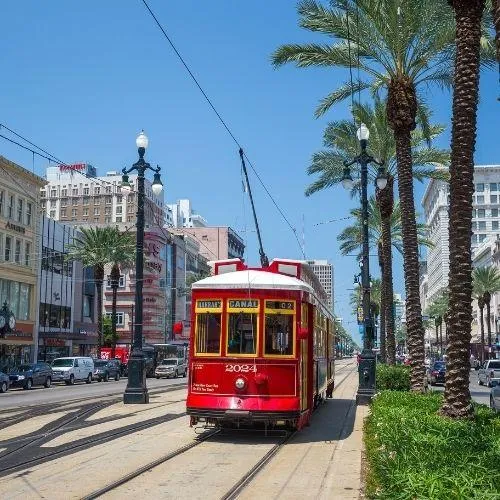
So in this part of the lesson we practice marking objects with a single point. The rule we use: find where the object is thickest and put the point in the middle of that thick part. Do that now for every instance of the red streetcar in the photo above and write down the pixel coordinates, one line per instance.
(262, 346)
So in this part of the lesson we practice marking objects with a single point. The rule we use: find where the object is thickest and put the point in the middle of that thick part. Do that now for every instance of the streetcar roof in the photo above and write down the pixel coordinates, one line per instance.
(251, 278)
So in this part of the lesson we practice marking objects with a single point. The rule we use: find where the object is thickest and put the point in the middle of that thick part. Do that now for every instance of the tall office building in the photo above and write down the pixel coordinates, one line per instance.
(324, 271)
(485, 222)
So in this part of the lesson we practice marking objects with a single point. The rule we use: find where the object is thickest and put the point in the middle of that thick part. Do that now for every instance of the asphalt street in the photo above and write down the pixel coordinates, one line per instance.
(58, 393)
(480, 393)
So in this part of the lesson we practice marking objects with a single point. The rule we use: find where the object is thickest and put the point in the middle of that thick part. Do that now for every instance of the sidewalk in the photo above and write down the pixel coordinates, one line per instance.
(324, 460)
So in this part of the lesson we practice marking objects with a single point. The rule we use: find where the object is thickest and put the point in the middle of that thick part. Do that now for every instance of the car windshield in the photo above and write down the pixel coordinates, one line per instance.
(100, 364)
(495, 364)
(169, 362)
(439, 366)
(62, 362)
(24, 368)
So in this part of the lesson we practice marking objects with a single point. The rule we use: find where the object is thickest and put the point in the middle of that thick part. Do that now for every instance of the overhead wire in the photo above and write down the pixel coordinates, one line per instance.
(223, 122)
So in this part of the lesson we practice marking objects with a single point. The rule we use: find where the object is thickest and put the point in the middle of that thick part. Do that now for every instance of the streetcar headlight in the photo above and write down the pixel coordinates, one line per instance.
(240, 383)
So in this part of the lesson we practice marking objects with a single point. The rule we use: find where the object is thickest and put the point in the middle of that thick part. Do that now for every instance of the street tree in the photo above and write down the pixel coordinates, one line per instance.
(438, 310)
(399, 47)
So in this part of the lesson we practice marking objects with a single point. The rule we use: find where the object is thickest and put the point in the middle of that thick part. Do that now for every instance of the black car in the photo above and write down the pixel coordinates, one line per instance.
(106, 369)
(436, 373)
(28, 375)
(4, 382)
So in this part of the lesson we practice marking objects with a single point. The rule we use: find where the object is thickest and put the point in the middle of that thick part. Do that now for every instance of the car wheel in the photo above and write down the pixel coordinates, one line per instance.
(71, 380)
(157, 378)
(185, 373)
(176, 374)
(48, 382)
(117, 376)
(106, 377)
(3, 387)
(29, 384)
(89, 379)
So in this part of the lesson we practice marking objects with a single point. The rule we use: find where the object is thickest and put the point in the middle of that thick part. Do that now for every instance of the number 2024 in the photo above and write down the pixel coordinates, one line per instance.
(241, 368)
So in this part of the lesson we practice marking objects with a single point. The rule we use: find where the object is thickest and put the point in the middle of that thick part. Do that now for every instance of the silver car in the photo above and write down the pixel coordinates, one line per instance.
(171, 367)
(495, 396)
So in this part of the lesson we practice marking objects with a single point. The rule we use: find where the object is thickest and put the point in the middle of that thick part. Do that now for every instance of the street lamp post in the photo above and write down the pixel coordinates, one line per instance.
(367, 362)
(136, 391)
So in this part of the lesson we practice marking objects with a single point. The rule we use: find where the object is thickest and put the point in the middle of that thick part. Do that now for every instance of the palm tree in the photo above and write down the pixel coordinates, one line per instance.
(486, 281)
(350, 241)
(397, 47)
(495, 11)
(438, 310)
(468, 18)
(341, 143)
(122, 253)
(93, 249)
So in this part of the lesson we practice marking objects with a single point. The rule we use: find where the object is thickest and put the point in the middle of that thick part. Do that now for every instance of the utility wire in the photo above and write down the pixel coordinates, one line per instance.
(224, 124)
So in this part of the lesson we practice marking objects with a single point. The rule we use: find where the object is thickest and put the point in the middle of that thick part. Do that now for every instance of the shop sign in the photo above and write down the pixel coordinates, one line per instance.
(15, 227)
(18, 334)
(54, 342)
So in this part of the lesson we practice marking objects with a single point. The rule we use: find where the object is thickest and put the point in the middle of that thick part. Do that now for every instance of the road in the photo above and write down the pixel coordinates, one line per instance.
(15, 398)
(480, 394)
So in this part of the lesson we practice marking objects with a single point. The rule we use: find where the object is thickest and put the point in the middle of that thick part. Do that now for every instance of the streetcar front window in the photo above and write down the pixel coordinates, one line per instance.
(242, 333)
(208, 333)
(278, 334)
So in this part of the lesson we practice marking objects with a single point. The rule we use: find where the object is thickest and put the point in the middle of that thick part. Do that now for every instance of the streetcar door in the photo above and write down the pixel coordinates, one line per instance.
(303, 374)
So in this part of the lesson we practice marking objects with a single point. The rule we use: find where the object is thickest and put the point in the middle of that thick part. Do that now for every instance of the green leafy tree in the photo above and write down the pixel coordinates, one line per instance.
(399, 48)
(351, 239)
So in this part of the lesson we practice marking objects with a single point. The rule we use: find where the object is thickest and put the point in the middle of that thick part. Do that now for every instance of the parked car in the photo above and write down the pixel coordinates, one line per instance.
(104, 370)
(436, 373)
(4, 382)
(495, 396)
(31, 374)
(171, 367)
(71, 369)
(489, 372)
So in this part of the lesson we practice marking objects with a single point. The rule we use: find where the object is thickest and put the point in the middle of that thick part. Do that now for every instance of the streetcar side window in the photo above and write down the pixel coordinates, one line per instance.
(208, 333)
(278, 334)
(242, 333)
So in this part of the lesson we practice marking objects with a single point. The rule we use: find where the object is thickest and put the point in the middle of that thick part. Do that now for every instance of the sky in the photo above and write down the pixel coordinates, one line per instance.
(81, 79)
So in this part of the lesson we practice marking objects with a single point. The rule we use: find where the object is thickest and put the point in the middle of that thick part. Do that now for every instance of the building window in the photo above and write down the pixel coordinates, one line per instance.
(130, 209)
(8, 248)
(108, 189)
(119, 199)
(85, 211)
(75, 191)
(19, 210)
(107, 219)
(1, 202)
(27, 251)
(52, 214)
(43, 193)
(86, 201)
(107, 210)
(86, 191)
(494, 225)
(97, 200)
(118, 210)
(64, 202)
(481, 213)
(74, 202)
(96, 219)
(481, 225)
(118, 219)
(53, 204)
(130, 198)
(63, 212)
(129, 218)
(480, 187)
(17, 254)
(481, 237)
(97, 190)
(479, 199)
(53, 193)
(73, 212)
(96, 211)
(29, 213)
(10, 208)
(493, 198)
(64, 192)
(17, 295)
(121, 281)
(493, 186)
(494, 212)
(120, 318)
(108, 200)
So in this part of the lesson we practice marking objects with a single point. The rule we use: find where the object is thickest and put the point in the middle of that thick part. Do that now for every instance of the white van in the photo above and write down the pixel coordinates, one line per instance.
(72, 369)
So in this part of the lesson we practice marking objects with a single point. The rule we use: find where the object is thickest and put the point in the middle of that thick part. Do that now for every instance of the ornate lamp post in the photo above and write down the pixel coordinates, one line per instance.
(136, 391)
(366, 368)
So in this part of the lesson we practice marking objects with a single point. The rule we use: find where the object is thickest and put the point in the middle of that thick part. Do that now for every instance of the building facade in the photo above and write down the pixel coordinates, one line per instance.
(75, 195)
(324, 271)
(218, 243)
(67, 307)
(485, 224)
(181, 214)
(19, 259)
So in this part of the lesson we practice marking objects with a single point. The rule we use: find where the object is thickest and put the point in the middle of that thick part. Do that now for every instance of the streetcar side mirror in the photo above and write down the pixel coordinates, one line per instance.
(302, 333)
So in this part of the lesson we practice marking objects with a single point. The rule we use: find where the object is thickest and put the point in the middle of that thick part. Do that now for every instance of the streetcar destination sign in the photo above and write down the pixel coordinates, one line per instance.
(247, 304)
(209, 304)
(279, 304)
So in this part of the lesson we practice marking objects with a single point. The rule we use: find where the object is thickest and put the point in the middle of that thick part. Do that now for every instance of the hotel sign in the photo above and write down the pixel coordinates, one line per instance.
(15, 227)
(73, 167)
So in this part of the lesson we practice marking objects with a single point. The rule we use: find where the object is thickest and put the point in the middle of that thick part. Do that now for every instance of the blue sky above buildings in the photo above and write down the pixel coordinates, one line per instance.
(82, 78)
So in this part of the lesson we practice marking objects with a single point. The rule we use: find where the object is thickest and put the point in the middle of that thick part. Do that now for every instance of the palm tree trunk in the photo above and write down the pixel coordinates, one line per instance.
(468, 13)
(441, 338)
(436, 324)
(115, 278)
(488, 326)
(382, 305)
(481, 323)
(415, 329)
(98, 280)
